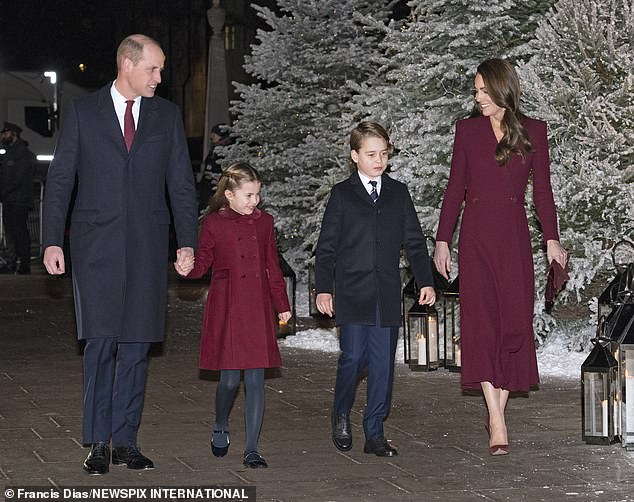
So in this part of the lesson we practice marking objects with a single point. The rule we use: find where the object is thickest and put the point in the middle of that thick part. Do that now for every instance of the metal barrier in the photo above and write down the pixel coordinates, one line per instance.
(34, 222)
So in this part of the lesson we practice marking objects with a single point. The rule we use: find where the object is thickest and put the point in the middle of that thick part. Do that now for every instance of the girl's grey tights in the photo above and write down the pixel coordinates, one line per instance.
(253, 408)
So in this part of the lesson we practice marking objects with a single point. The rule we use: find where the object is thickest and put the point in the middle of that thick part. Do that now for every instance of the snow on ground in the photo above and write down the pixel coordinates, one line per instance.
(560, 356)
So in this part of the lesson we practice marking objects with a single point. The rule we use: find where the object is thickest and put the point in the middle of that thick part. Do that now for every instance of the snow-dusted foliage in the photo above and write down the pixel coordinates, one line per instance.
(289, 124)
(581, 81)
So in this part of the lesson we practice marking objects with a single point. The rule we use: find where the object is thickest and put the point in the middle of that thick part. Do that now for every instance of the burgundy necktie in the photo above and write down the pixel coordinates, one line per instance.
(128, 124)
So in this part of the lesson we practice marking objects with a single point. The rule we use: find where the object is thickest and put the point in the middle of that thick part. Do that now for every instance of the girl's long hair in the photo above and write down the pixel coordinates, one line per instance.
(503, 85)
(231, 179)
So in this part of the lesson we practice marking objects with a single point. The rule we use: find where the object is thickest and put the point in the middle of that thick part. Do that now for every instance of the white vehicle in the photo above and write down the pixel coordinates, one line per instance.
(35, 101)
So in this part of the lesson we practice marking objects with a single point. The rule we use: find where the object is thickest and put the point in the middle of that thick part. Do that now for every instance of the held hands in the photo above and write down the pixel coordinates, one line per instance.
(324, 304)
(427, 296)
(184, 263)
(54, 260)
(442, 259)
(554, 251)
(284, 316)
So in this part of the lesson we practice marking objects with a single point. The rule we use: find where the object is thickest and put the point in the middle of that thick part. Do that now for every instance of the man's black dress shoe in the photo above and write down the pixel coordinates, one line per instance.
(380, 447)
(131, 456)
(98, 460)
(254, 460)
(341, 432)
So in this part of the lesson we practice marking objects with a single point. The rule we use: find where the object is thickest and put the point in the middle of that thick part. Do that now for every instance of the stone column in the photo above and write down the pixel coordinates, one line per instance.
(217, 103)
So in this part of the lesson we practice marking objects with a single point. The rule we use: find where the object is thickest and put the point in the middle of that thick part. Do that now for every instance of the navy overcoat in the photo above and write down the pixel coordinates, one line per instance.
(359, 250)
(120, 221)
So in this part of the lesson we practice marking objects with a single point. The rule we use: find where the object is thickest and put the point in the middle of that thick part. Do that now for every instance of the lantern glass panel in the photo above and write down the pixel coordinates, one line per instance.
(422, 330)
(596, 400)
(627, 397)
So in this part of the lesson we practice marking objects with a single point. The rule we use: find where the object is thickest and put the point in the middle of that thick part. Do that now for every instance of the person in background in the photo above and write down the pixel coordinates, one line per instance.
(126, 147)
(369, 218)
(210, 171)
(237, 242)
(17, 166)
(495, 153)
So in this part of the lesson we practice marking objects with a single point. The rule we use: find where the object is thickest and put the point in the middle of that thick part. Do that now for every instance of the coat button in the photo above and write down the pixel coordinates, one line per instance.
(244, 276)
(253, 237)
(513, 199)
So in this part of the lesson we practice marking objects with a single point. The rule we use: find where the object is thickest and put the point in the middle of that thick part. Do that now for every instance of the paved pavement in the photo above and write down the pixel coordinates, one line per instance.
(438, 430)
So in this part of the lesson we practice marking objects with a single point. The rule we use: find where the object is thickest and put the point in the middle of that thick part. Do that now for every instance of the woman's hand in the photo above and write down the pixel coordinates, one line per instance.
(554, 251)
(442, 259)
(284, 316)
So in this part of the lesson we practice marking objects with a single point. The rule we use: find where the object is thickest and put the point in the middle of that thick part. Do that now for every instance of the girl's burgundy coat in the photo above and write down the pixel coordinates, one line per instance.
(247, 288)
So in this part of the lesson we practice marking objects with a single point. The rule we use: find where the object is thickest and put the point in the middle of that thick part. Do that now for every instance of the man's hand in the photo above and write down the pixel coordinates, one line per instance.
(54, 260)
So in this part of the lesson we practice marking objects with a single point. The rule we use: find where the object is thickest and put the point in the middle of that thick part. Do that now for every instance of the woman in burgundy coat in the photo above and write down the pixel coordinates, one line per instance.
(237, 241)
(495, 152)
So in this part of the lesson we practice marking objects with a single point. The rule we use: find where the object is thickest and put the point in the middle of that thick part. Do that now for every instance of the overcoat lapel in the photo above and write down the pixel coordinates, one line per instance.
(109, 118)
(359, 189)
(147, 119)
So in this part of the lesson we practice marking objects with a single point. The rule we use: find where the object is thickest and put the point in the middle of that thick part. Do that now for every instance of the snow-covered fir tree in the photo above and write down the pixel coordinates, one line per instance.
(581, 81)
(428, 83)
(289, 124)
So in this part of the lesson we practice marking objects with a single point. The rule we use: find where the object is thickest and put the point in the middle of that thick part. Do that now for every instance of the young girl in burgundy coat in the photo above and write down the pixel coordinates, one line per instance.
(236, 240)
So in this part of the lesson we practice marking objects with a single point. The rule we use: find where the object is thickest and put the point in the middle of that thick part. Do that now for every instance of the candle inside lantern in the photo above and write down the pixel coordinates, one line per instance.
(458, 359)
(422, 350)
(604, 414)
(433, 338)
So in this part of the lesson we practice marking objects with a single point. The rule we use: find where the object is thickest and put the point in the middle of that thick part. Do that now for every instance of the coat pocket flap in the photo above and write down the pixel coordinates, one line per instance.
(220, 274)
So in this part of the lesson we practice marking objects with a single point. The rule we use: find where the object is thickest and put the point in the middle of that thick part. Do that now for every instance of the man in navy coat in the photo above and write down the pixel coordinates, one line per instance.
(369, 218)
(121, 146)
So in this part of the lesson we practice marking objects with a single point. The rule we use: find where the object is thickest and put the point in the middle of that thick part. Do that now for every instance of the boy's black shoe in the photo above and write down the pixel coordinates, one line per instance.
(131, 456)
(341, 432)
(380, 447)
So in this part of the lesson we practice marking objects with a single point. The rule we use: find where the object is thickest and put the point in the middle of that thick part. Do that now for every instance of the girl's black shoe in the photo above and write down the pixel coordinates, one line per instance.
(220, 451)
(255, 461)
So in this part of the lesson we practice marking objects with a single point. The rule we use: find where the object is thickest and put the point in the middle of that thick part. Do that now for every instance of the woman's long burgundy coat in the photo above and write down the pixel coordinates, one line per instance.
(247, 287)
(494, 252)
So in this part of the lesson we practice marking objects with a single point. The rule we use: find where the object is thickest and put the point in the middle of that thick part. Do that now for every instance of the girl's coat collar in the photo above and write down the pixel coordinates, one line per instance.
(230, 214)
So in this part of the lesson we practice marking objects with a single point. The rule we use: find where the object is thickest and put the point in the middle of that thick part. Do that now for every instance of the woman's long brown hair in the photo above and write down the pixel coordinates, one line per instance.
(503, 85)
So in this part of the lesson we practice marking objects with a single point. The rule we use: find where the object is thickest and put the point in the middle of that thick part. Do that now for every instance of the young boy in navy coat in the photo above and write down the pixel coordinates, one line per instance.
(369, 218)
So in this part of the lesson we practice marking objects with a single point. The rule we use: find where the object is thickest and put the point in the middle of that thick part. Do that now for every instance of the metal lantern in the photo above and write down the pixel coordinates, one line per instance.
(423, 338)
(620, 324)
(451, 326)
(619, 288)
(599, 405)
(409, 297)
(312, 291)
(284, 329)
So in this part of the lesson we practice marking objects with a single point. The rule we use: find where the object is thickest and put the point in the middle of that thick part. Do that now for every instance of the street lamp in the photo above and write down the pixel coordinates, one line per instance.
(599, 402)
(423, 352)
(284, 329)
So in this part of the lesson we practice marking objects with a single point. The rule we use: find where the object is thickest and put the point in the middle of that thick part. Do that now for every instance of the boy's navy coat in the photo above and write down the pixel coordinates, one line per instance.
(359, 247)
(120, 222)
